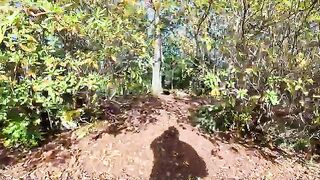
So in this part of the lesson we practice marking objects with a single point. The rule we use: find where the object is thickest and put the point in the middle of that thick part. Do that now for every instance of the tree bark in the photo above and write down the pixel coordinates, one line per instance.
(157, 59)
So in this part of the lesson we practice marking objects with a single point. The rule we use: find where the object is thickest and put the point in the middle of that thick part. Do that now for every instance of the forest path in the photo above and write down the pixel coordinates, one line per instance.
(163, 145)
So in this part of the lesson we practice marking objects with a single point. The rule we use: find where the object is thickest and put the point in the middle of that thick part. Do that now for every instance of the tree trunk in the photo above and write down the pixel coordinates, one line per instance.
(156, 88)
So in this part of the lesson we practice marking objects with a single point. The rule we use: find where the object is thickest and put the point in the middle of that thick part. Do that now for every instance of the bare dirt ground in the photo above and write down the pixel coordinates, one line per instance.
(158, 144)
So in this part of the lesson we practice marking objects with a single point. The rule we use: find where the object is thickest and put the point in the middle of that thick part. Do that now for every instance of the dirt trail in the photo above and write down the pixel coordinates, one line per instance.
(165, 147)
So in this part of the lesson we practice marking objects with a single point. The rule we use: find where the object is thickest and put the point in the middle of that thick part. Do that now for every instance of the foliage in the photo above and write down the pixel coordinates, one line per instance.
(271, 50)
(258, 59)
(58, 59)
(214, 118)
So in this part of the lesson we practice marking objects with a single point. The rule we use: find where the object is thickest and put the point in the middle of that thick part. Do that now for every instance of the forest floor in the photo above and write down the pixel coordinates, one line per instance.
(157, 142)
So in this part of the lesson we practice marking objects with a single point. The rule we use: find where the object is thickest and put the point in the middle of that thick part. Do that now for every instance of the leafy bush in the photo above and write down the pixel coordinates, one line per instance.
(57, 61)
(214, 118)
(271, 82)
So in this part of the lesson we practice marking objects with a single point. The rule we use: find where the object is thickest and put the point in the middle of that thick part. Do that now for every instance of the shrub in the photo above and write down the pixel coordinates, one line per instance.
(271, 82)
(57, 62)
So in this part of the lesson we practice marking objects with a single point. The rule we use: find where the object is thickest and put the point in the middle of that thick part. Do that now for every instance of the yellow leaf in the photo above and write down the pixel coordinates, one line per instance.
(316, 96)
(3, 2)
(113, 58)
(3, 78)
(70, 115)
(7, 143)
(110, 85)
(131, 2)
(310, 81)
(77, 113)
(157, 5)
(2, 31)
(37, 122)
(31, 38)
(46, 82)
(215, 92)
(83, 131)
(60, 77)
(31, 74)
(35, 88)
(67, 116)
(95, 65)
(209, 46)
(249, 70)
(256, 97)
(25, 48)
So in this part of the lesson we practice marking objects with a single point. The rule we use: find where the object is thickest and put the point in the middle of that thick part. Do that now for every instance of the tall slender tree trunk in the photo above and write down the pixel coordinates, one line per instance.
(157, 58)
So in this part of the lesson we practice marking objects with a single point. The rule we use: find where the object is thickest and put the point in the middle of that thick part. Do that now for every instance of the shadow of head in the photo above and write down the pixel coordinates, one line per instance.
(175, 159)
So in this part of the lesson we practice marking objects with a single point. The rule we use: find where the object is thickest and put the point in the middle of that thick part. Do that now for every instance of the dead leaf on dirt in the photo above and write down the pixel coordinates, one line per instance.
(82, 132)
(234, 149)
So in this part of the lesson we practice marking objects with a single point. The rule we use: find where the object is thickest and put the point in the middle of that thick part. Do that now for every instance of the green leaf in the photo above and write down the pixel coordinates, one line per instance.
(272, 97)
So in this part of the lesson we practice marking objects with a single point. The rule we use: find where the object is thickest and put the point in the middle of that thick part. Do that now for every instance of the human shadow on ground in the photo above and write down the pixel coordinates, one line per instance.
(174, 159)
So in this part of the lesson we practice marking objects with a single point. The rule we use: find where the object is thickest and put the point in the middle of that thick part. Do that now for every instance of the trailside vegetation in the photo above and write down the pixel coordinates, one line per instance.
(259, 60)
